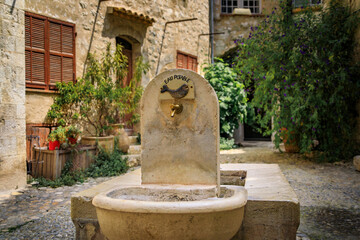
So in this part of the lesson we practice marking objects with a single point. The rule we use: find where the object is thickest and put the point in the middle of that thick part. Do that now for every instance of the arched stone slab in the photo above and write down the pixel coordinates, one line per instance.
(183, 149)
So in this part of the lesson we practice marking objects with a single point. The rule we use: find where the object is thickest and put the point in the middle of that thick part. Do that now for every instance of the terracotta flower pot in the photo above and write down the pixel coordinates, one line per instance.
(123, 140)
(105, 142)
(291, 144)
(53, 145)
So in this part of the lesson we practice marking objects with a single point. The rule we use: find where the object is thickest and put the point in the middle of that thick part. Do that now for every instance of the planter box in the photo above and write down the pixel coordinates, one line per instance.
(49, 164)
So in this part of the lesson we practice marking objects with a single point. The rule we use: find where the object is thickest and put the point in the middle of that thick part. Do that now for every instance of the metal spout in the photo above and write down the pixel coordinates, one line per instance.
(176, 108)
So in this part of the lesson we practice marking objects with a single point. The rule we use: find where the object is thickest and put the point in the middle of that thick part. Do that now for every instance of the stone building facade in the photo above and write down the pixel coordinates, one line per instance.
(12, 95)
(99, 22)
(38, 35)
(237, 25)
(87, 26)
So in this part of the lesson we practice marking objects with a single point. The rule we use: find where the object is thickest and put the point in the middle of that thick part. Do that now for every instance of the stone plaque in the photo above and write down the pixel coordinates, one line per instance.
(177, 86)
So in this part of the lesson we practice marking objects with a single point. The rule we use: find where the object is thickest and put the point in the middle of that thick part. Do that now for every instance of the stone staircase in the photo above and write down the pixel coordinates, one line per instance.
(134, 152)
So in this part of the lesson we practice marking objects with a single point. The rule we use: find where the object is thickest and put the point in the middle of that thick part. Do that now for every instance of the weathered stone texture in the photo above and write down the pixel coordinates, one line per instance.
(189, 141)
(146, 40)
(272, 210)
(236, 26)
(12, 96)
(356, 162)
(37, 105)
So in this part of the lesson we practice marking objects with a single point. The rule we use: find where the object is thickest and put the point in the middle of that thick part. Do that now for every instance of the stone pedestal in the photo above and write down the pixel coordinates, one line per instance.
(183, 148)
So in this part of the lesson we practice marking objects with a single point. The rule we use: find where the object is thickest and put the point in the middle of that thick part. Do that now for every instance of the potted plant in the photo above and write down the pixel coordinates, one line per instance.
(290, 140)
(99, 99)
(72, 133)
(95, 100)
(56, 137)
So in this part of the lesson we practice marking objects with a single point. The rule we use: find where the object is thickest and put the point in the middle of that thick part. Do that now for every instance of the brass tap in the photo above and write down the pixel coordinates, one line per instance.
(176, 108)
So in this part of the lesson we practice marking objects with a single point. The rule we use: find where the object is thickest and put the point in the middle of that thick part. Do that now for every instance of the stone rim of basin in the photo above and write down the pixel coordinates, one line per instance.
(212, 204)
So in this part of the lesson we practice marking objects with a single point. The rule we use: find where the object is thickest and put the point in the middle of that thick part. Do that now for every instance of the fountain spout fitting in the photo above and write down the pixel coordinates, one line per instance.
(176, 108)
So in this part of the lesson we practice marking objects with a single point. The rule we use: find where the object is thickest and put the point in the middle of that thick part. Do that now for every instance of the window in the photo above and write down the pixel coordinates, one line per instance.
(227, 6)
(304, 3)
(49, 52)
(186, 61)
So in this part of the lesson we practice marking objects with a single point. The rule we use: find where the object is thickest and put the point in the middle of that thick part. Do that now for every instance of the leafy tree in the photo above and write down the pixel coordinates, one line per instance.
(300, 69)
(231, 95)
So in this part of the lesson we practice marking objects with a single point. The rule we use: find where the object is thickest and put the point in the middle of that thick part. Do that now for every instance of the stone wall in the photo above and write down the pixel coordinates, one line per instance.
(146, 40)
(12, 95)
(236, 26)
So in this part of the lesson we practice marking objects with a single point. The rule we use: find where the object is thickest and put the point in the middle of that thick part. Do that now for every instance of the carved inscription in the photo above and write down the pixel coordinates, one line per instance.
(177, 86)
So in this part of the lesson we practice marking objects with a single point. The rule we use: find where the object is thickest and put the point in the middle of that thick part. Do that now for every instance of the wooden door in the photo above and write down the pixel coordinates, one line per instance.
(128, 77)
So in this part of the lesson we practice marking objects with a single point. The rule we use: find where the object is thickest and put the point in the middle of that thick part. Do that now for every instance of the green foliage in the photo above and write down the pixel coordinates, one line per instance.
(231, 95)
(72, 131)
(108, 164)
(300, 71)
(105, 165)
(57, 135)
(100, 97)
(226, 144)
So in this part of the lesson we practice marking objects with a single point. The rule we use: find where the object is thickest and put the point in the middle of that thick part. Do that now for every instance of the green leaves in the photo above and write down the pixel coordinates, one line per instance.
(300, 71)
(100, 97)
(231, 96)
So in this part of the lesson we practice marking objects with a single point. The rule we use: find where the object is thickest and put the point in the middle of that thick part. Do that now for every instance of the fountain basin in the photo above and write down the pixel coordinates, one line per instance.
(170, 212)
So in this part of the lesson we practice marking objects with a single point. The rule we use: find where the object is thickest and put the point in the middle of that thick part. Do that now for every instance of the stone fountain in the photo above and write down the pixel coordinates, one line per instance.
(180, 196)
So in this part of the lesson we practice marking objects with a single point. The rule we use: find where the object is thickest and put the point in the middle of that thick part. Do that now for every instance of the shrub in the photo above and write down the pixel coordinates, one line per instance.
(300, 70)
(226, 144)
(100, 97)
(231, 95)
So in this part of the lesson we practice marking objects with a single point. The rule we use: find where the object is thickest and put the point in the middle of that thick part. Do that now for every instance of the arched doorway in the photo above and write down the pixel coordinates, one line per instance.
(127, 51)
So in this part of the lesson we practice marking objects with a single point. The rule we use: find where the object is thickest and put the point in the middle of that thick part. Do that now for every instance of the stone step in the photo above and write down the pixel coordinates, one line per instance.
(133, 160)
(133, 140)
(134, 149)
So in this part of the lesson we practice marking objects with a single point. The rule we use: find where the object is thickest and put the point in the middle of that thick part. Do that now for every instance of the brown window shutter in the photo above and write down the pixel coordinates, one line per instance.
(61, 39)
(27, 31)
(55, 37)
(179, 61)
(38, 33)
(190, 63)
(35, 51)
(38, 67)
(67, 39)
(55, 69)
(186, 61)
(49, 51)
(67, 69)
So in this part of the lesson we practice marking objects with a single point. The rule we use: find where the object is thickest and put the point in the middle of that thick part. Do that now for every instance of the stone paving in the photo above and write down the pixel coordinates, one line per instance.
(329, 194)
(329, 197)
(42, 213)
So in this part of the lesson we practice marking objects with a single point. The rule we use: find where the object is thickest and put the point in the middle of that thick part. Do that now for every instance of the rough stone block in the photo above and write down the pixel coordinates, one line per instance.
(356, 162)
(272, 210)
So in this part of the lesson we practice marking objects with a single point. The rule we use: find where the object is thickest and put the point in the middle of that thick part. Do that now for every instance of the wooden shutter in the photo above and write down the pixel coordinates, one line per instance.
(193, 65)
(49, 51)
(179, 60)
(61, 52)
(186, 61)
(35, 75)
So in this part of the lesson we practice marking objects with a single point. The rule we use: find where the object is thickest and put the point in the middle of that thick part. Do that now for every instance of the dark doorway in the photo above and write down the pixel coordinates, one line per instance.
(127, 51)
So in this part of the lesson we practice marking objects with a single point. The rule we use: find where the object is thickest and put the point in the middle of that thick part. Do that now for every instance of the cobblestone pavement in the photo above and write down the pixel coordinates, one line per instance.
(42, 213)
(329, 197)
